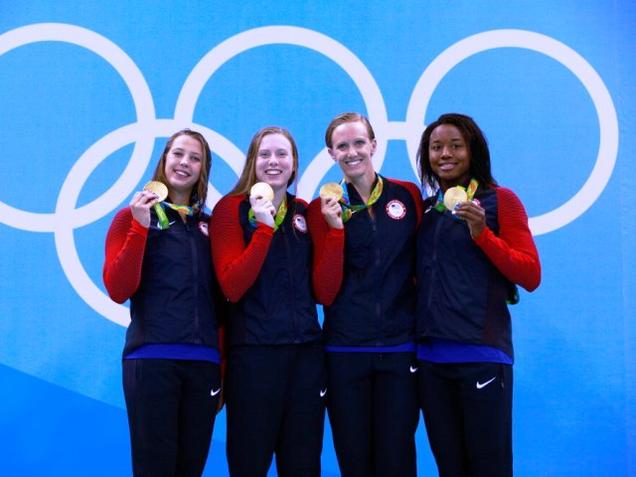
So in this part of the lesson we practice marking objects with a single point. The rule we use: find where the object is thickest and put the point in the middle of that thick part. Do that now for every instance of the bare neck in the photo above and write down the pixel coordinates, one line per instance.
(180, 198)
(279, 196)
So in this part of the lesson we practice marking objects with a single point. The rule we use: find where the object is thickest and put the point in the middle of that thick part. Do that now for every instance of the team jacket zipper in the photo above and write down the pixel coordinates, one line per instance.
(195, 281)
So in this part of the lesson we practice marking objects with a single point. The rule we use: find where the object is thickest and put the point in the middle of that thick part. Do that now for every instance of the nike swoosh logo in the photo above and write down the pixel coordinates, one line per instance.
(169, 224)
(323, 392)
(214, 393)
(412, 369)
(483, 385)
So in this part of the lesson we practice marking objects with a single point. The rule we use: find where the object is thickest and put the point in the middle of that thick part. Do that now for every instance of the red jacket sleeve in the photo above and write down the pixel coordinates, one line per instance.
(125, 246)
(328, 261)
(237, 266)
(513, 252)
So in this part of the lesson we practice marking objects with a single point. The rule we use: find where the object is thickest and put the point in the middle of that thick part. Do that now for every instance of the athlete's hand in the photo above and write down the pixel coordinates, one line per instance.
(264, 210)
(140, 206)
(332, 212)
(474, 215)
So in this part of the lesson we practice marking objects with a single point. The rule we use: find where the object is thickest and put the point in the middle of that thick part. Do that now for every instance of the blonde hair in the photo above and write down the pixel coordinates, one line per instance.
(347, 118)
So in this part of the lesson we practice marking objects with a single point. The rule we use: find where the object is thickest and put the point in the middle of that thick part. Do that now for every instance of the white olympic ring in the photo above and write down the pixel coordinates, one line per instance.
(142, 133)
(144, 109)
(608, 121)
(280, 35)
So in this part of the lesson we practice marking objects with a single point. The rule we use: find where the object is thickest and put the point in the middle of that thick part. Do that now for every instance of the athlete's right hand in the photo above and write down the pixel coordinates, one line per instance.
(140, 206)
(264, 210)
(332, 212)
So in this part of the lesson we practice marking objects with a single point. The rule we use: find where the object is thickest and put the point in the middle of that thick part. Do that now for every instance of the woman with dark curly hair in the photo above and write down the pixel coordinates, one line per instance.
(474, 246)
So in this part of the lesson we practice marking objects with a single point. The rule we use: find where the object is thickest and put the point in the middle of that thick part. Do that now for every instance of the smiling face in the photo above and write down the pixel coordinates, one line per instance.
(183, 166)
(274, 161)
(352, 149)
(449, 156)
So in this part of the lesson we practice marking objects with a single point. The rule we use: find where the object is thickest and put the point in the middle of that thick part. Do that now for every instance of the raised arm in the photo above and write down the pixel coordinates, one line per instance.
(237, 265)
(328, 261)
(125, 246)
(513, 252)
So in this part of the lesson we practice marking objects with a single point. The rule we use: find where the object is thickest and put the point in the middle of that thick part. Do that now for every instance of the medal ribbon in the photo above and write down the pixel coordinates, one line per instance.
(470, 193)
(349, 209)
(184, 210)
(164, 223)
(278, 218)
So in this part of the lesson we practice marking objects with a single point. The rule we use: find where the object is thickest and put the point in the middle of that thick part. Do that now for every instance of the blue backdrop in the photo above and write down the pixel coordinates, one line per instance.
(90, 90)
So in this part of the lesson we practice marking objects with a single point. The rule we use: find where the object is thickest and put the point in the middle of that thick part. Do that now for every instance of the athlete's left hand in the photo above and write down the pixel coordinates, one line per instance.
(474, 215)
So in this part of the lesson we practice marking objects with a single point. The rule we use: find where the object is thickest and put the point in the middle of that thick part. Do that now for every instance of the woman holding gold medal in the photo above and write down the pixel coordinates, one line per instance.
(474, 246)
(262, 255)
(158, 256)
(364, 267)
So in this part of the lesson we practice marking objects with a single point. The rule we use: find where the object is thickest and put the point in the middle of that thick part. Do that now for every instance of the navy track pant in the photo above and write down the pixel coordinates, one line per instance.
(171, 408)
(373, 412)
(275, 401)
(467, 409)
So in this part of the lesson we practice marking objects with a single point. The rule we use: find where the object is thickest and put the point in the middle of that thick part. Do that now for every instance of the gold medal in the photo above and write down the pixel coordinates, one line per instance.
(262, 189)
(454, 196)
(158, 188)
(331, 189)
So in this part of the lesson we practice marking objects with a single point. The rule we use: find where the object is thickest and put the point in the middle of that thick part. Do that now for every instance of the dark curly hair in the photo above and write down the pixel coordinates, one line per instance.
(477, 148)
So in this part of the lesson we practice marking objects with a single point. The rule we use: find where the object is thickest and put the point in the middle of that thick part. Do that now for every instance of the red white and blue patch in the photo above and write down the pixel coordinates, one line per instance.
(396, 210)
(300, 223)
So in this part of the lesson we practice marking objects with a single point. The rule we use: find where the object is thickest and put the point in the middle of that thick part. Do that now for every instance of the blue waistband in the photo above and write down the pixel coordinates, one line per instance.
(447, 351)
(190, 352)
(401, 348)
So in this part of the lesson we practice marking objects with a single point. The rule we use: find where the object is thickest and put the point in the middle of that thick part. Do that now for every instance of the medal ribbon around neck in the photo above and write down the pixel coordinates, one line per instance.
(470, 193)
(349, 209)
(278, 218)
(184, 210)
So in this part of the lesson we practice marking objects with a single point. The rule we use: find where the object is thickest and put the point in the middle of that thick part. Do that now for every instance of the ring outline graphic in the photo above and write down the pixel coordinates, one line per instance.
(144, 109)
(608, 120)
(303, 37)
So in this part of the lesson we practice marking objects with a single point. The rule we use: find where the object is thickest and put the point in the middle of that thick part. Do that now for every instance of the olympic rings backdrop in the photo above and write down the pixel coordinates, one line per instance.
(90, 90)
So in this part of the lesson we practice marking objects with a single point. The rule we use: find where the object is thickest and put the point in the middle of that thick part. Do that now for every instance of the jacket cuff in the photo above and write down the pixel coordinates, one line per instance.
(139, 229)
